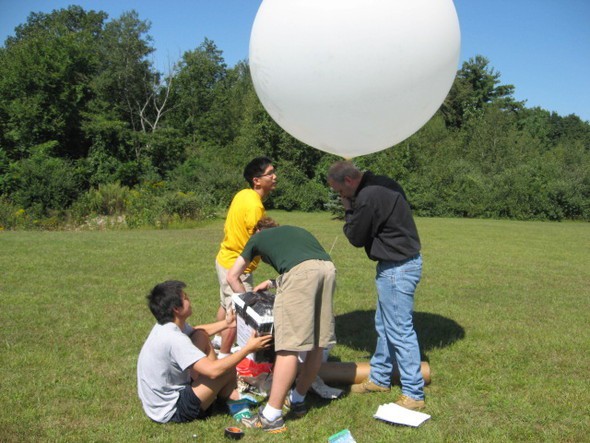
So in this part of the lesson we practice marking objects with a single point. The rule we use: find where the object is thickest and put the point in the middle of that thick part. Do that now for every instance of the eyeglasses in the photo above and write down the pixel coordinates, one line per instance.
(268, 174)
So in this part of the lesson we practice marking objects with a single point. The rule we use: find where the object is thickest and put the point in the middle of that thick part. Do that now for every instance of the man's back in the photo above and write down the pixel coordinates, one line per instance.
(284, 247)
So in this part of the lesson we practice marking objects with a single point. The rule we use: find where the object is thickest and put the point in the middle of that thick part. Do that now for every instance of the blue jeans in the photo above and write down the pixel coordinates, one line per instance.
(397, 342)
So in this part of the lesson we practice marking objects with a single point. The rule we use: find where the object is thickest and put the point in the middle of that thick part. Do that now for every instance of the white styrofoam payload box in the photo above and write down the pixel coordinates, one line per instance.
(254, 312)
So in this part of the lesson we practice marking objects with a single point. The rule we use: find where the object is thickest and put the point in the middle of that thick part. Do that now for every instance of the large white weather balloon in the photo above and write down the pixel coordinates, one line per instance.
(353, 77)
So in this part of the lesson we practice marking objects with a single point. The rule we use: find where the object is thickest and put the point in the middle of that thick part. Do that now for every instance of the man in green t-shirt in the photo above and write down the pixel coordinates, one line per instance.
(303, 317)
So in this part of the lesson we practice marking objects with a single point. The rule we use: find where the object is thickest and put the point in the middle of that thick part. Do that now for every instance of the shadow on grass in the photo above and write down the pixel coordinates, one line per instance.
(356, 330)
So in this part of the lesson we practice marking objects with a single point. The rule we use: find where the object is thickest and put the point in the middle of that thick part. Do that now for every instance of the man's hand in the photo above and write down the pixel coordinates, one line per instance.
(257, 343)
(346, 202)
(267, 284)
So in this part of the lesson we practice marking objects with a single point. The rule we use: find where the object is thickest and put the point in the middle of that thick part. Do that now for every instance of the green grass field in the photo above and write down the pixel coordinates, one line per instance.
(502, 314)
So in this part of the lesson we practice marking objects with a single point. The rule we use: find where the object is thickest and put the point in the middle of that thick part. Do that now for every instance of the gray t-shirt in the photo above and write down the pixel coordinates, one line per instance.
(163, 369)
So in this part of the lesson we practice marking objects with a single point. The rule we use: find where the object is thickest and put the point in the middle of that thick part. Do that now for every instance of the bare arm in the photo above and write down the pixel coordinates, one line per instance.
(233, 275)
(216, 368)
(213, 328)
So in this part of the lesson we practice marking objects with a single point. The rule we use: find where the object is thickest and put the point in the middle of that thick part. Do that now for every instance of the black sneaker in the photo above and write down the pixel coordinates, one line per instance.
(258, 421)
(297, 409)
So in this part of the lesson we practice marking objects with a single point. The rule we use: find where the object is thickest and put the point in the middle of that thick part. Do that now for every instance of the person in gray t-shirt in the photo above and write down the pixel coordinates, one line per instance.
(178, 373)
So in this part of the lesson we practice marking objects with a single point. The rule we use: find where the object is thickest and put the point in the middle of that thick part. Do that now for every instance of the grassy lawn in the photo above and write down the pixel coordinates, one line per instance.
(502, 314)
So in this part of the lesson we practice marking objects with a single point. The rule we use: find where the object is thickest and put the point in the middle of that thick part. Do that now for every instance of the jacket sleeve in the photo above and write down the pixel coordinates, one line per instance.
(359, 225)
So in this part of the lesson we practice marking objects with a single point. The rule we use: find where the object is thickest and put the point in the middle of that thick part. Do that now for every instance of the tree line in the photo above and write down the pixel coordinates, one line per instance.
(89, 128)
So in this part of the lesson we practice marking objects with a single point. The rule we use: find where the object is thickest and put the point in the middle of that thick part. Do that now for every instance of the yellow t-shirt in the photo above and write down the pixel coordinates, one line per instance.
(245, 210)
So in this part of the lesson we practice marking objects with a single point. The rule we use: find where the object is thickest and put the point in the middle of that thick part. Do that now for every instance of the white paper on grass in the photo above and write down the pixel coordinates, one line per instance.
(393, 413)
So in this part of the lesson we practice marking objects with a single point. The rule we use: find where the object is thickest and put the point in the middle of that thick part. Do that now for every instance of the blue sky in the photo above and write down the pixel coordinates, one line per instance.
(542, 47)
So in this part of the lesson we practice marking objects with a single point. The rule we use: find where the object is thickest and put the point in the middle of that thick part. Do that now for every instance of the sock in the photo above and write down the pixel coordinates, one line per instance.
(296, 397)
(222, 355)
(271, 413)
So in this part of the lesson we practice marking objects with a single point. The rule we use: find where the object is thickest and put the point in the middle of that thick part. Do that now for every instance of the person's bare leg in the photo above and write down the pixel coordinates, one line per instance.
(208, 389)
(284, 373)
(228, 338)
(220, 313)
(309, 370)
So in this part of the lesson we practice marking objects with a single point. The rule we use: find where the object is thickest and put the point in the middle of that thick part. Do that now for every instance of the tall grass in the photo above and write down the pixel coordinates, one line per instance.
(501, 313)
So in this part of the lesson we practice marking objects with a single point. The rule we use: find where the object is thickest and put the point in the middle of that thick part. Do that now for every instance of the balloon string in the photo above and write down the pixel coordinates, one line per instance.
(333, 244)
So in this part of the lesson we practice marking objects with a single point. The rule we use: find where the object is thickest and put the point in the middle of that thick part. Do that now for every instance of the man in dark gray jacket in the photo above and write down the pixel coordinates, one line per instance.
(379, 218)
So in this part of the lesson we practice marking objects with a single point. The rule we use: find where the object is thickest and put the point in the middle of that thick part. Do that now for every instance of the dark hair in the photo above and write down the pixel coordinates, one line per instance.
(256, 168)
(163, 298)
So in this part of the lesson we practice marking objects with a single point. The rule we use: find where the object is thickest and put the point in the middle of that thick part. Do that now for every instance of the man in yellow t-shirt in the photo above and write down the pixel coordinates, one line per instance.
(244, 212)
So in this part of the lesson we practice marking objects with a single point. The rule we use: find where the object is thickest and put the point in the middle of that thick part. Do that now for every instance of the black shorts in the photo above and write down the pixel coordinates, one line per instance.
(188, 407)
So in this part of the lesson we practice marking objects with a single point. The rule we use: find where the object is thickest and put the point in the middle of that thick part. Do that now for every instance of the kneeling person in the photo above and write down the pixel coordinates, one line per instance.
(178, 373)
(303, 317)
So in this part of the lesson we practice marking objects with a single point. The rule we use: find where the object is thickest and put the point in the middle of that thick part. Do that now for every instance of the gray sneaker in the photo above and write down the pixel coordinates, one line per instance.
(258, 421)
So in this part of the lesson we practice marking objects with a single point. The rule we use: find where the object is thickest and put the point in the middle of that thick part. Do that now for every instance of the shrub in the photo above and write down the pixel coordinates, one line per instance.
(213, 178)
(44, 183)
(101, 166)
(13, 217)
(521, 193)
(334, 205)
(109, 199)
(153, 205)
(297, 191)
(144, 208)
(189, 205)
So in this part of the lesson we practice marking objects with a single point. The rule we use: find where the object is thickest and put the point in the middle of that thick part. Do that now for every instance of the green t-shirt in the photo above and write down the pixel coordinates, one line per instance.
(284, 247)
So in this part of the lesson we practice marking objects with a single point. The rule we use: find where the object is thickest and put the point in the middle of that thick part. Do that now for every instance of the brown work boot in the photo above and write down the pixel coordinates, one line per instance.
(367, 386)
(410, 403)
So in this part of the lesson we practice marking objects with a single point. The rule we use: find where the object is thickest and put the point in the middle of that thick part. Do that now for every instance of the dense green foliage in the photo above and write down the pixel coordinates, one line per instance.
(82, 107)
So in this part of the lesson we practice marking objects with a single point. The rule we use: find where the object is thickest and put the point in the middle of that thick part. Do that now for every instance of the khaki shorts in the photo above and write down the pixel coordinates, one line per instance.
(303, 316)
(225, 291)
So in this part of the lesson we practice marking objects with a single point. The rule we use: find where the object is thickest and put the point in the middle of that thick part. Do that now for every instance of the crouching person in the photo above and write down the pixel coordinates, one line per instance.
(178, 374)
(303, 317)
